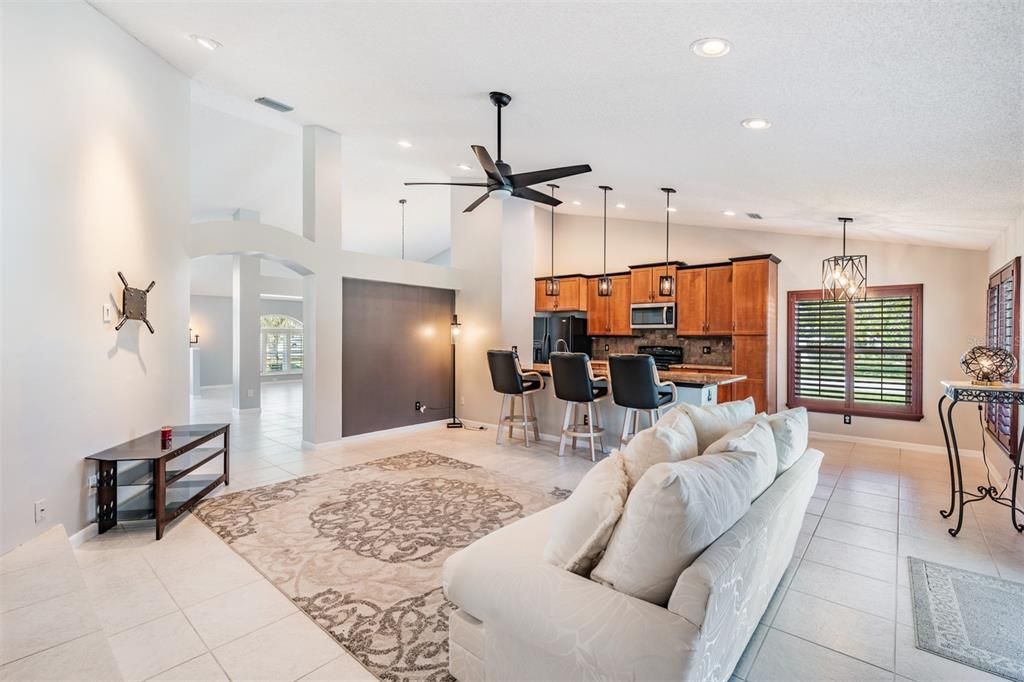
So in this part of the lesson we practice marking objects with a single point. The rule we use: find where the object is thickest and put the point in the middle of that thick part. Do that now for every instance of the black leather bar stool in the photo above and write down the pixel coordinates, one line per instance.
(508, 379)
(637, 387)
(574, 382)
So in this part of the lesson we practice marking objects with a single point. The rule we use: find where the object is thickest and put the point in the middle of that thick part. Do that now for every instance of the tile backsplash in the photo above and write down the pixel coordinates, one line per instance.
(693, 347)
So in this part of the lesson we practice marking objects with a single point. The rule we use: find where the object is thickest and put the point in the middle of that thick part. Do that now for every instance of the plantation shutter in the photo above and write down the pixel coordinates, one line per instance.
(1003, 308)
(857, 357)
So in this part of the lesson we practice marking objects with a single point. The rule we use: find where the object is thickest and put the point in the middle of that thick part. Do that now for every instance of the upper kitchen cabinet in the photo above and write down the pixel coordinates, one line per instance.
(572, 295)
(704, 301)
(644, 283)
(755, 284)
(609, 315)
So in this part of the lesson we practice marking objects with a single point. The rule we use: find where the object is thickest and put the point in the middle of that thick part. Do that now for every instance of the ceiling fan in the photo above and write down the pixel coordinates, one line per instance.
(501, 182)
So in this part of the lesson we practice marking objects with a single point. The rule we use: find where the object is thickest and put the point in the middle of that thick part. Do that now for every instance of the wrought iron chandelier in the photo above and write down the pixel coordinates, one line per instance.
(604, 282)
(844, 278)
(551, 285)
(667, 282)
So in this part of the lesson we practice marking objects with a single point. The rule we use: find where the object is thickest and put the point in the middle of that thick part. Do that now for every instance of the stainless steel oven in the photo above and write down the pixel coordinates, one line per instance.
(652, 315)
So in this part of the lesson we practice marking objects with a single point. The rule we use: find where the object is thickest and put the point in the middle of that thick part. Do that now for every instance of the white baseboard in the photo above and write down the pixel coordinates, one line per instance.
(307, 445)
(202, 386)
(246, 410)
(87, 533)
(903, 445)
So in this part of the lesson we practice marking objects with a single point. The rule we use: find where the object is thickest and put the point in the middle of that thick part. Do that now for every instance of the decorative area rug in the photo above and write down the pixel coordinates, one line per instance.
(971, 618)
(359, 549)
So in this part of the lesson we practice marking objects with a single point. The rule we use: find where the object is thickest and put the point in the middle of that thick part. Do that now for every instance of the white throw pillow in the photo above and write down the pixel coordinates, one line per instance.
(714, 421)
(754, 438)
(672, 515)
(790, 429)
(584, 522)
(674, 441)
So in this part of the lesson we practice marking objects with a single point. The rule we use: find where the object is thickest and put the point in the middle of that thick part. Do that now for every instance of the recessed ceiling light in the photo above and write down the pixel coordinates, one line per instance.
(620, 206)
(711, 47)
(464, 166)
(756, 123)
(671, 209)
(208, 43)
(577, 203)
(404, 144)
(729, 213)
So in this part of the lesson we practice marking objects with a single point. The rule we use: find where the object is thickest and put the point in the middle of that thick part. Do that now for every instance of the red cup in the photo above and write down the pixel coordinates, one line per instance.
(165, 436)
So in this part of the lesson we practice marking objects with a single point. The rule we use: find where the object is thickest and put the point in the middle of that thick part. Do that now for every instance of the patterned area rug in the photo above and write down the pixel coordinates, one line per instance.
(360, 548)
(969, 617)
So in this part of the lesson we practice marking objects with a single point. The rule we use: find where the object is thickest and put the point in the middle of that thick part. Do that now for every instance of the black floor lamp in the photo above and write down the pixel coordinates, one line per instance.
(456, 331)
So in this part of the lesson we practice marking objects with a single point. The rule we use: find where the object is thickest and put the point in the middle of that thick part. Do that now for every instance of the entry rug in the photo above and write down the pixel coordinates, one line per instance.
(359, 549)
(971, 618)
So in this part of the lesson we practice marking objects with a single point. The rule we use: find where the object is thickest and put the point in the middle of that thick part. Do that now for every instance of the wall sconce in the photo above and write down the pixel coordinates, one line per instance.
(193, 339)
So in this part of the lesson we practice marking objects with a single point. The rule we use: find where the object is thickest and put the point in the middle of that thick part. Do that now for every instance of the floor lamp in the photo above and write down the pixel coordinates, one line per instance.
(456, 331)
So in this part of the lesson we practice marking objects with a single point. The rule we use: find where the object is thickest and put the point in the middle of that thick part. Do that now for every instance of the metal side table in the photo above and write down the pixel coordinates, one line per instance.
(965, 392)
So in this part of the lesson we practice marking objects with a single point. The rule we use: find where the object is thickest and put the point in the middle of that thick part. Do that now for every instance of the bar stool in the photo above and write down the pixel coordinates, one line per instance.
(574, 382)
(508, 379)
(637, 387)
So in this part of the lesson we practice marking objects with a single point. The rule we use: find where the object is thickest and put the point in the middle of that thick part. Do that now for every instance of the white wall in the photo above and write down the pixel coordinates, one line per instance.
(954, 285)
(95, 177)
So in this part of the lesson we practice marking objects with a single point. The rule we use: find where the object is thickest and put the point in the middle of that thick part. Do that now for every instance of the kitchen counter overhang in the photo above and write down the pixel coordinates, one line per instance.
(688, 379)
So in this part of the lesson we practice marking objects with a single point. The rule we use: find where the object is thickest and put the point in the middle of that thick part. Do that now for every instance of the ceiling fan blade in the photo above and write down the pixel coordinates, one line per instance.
(534, 195)
(450, 184)
(476, 203)
(487, 163)
(537, 177)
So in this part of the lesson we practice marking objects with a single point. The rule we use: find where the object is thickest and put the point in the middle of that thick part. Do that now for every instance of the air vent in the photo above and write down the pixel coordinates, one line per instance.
(273, 104)
(754, 216)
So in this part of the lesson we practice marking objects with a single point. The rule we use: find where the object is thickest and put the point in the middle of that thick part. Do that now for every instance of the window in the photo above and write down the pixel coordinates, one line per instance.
(1002, 330)
(860, 357)
(281, 345)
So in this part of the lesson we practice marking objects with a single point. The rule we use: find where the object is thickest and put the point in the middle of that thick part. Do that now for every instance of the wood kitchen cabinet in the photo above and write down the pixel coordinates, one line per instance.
(609, 315)
(704, 301)
(572, 295)
(755, 284)
(644, 283)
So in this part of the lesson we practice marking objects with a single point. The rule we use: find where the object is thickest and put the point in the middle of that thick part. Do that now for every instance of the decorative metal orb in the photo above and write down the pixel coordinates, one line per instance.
(988, 366)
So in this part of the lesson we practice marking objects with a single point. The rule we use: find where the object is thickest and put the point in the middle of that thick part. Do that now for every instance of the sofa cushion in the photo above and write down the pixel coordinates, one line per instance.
(672, 439)
(711, 422)
(790, 429)
(585, 521)
(756, 439)
(674, 512)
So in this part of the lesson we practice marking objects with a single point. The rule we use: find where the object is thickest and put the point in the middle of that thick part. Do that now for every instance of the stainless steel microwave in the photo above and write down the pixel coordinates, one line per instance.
(652, 316)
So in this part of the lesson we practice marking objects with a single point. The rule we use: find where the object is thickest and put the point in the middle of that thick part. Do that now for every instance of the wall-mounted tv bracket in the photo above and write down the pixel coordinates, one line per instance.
(133, 303)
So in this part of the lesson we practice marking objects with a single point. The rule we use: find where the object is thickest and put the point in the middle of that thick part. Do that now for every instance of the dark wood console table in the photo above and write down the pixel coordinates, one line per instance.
(143, 479)
(965, 392)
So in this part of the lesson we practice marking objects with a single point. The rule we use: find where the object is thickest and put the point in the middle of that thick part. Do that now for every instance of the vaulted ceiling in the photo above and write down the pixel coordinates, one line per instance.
(908, 116)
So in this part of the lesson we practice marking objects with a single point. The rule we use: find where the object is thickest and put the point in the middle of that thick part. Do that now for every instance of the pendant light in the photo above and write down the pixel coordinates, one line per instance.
(844, 278)
(667, 283)
(604, 282)
(402, 202)
(551, 286)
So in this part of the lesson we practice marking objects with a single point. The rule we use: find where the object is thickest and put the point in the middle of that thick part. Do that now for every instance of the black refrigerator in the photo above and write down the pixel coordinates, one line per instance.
(549, 331)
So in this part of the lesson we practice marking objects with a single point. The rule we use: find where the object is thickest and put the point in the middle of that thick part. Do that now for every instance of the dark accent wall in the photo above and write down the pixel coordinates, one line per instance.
(396, 349)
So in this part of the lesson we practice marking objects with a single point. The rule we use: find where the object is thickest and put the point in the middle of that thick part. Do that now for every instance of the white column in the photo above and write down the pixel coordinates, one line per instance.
(321, 223)
(245, 333)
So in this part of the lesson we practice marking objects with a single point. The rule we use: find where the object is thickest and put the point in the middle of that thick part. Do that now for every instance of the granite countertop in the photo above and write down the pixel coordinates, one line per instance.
(706, 368)
(676, 376)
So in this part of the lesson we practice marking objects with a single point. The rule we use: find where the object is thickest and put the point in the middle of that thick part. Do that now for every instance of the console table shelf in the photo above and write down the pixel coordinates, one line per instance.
(143, 479)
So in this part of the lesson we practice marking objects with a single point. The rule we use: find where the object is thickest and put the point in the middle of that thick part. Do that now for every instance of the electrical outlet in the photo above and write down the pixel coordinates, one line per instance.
(108, 313)
(93, 481)
(515, 351)
(462, 400)
(847, 419)
(419, 406)
(706, 350)
(606, 348)
(251, 393)
(40, 510)
(586, 420)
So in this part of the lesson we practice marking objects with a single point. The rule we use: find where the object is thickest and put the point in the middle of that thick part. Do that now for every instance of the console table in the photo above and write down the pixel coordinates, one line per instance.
(965, 392)
(146, 479)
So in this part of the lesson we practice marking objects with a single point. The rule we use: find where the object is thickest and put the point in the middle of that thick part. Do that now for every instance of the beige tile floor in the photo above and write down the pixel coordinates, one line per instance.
(188, 608)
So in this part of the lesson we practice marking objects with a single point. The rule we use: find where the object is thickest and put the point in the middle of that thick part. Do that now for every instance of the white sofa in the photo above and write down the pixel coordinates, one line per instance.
(520, 618)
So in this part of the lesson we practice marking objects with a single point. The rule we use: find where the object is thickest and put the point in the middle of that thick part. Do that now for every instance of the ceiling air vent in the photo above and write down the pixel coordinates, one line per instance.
(273, 104)
(754, 216)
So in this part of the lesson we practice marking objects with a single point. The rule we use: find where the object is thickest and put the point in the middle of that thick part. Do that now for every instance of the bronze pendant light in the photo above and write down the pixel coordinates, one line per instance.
(844, 278)
(604, 282)
(402, 202)
(551, 285)
(666, 282)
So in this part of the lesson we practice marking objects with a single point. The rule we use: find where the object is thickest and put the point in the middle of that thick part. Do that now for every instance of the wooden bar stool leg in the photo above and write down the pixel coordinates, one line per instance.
(575, 421)
(536, 422)
(590, 422)
(501, 418)
(526, 422)
(624, 435)
(566, 421)
(511, 415)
